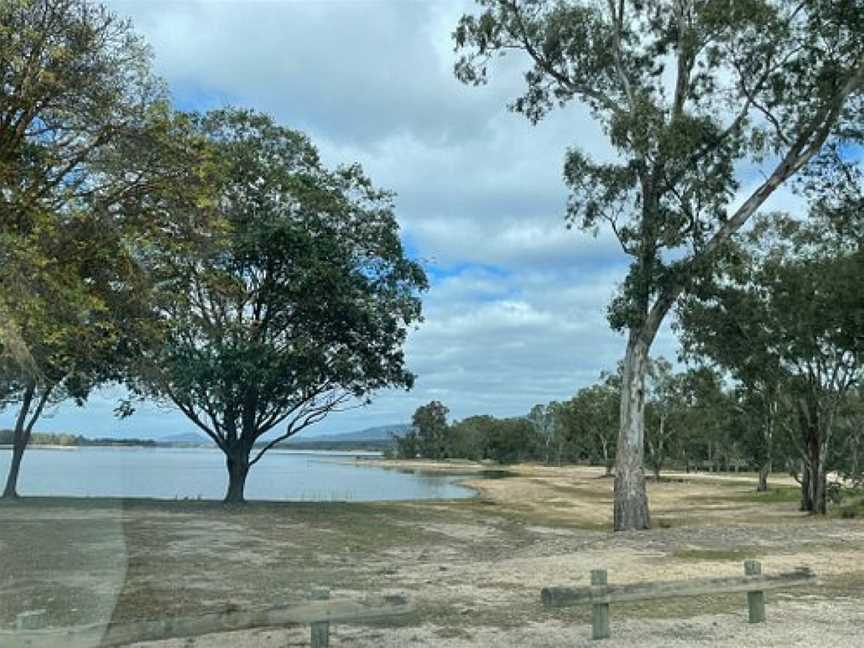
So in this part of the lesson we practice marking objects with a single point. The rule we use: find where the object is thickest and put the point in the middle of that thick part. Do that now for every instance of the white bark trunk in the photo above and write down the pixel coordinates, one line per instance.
(631, 499)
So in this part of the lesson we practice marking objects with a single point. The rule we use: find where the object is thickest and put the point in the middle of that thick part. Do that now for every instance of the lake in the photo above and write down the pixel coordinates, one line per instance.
(169, 473)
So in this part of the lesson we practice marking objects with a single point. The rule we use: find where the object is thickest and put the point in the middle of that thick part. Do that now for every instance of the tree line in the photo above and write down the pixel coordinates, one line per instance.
(7, 438)
(773, 350)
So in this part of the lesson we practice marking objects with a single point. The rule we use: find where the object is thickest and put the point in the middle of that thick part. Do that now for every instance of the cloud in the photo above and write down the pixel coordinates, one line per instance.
(516, 312)
(356, 70)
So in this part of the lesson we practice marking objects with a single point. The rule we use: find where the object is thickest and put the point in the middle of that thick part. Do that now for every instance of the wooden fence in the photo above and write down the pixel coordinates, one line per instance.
(319, 614)
(600, 594)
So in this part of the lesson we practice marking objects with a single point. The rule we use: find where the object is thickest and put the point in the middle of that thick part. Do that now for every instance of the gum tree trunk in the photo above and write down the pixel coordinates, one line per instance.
(607, 463)
(768, 439)
(631, 500)
(764, 471)
(818, 480)
(806, 493)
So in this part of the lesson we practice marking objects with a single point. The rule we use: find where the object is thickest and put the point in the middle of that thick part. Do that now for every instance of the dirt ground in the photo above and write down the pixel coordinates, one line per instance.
(473, 567)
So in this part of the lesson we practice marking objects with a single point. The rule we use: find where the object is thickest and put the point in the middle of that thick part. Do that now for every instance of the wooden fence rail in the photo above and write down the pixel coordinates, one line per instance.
(319, 614)
(600, 594)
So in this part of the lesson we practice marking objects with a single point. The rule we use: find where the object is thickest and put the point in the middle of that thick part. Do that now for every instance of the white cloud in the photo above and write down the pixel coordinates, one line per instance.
(476, 184)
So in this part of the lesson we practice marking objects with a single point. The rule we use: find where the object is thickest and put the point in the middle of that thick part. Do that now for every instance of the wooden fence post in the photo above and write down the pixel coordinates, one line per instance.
(599, 610)
(755, 600)
(34, 620)
(320, 629)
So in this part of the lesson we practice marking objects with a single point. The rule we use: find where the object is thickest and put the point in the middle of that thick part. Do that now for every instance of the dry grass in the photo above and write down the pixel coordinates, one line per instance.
(474, 566)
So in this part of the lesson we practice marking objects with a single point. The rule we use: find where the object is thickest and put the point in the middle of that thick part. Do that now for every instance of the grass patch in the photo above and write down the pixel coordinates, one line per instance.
(777, 495)
(733, 555)
(854, 508)
(736, 494)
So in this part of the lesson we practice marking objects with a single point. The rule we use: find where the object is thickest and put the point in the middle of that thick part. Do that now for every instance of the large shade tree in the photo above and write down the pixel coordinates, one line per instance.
(286, 298)
(690, 94)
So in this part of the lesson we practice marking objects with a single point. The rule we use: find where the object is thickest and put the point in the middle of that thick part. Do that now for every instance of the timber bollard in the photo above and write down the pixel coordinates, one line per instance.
(599, 605)
(755, 599)
(320, 630)
(34, 620)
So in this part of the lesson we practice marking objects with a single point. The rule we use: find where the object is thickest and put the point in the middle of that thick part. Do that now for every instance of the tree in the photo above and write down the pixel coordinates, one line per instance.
(287, 298)
(78, 100)
(466, 439)
(706, 422)
(82, 325)
(665, 403)
(850, 424)
(764, 82)
(545, 419)
(508, 440)
(78, 108)
(804, 306)
(430, 424)
(406, 445)
(592, 419)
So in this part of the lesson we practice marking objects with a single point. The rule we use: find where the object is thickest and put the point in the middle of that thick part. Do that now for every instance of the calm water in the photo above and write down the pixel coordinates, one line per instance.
(198, 472)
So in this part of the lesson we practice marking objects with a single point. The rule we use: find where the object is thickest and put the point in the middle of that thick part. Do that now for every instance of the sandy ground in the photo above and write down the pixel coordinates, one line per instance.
(474, 567)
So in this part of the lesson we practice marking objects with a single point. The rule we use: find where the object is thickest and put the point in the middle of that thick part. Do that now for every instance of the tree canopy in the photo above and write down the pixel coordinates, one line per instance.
(293, 300)
(791, 318)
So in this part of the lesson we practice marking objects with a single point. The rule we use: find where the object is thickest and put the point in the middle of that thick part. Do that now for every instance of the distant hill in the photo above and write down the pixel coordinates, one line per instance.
(379, 433)
(185, 439)
(373, 438)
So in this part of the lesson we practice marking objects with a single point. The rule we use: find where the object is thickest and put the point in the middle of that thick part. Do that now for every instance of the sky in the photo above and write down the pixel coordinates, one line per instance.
(516, 310)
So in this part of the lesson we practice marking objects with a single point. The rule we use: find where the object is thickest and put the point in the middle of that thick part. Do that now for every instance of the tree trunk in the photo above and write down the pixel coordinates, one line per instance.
(806, 493)
(20, 437)
(820, 492)
(237, 460)
(11, 490)
(819, 482)
(764, 471)
(631, 499)
(604, 444)
(768, 438)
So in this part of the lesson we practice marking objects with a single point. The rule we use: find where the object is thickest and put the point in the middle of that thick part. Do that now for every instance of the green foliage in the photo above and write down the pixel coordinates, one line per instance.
(284, 298)
(546, 423)
(7, 437)
(407, 446)
(752, 80)
(798, 338)
(78, 100)
(590, 419)
(509, 441)
(488, 438)
(429, 424)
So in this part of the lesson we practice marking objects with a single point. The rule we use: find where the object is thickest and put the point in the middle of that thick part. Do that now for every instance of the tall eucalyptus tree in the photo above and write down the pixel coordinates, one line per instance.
(691, 94)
